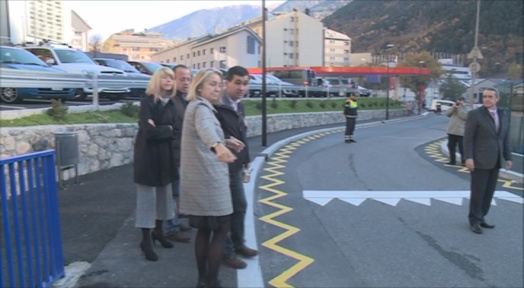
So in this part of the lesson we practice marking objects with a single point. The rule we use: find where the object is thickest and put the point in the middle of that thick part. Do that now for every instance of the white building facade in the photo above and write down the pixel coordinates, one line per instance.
(79, 30)
(237, 46)
(337, 49)
(36, 20)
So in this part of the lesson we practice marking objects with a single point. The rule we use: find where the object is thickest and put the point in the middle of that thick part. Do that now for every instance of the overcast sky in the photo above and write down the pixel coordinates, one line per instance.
(108, 17)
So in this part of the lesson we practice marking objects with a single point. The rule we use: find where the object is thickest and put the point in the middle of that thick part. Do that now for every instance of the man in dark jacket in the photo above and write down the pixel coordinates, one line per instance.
(231, 116)
(174, 230)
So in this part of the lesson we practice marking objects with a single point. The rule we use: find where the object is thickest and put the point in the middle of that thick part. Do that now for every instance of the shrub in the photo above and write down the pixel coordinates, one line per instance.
(58, 111)
(309, 104)
(258, 105)
(333, 104)
(129, 109)
(322, 105)
(274, 103)
(293, 104)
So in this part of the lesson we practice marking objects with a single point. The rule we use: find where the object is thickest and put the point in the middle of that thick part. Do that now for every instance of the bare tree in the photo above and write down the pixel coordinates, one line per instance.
(95, 43)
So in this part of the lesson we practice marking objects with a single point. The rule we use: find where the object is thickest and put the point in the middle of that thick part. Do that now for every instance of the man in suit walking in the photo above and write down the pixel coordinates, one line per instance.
(486, 147)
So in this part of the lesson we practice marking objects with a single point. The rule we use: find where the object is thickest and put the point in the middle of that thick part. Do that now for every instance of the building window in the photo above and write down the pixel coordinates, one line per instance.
(198, 66)
(203, 64)
(181, 57)
(187, 55)
(136, 48)
(291, 43)
(198, 53)
(223, 64)
(346, 43)
(174, 59)
(222, 50)
(212, 50)
(250, 45)
(291, 55)
(194, 53)
(292, 31)
(212, 64)
(332, 50)
(291, 19)
(346, 51)
(167, 61)
(204, 52)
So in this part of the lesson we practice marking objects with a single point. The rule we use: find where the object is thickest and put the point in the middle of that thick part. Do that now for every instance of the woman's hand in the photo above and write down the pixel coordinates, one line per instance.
(151, 122)
(224, 154)
(235, 144)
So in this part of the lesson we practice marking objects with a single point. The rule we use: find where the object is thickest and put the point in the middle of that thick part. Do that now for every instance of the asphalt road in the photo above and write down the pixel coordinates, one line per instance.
(362, 230)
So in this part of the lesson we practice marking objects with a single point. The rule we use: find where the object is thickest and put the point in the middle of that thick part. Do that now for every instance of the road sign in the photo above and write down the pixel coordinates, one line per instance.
(475, 53)
(474, 67)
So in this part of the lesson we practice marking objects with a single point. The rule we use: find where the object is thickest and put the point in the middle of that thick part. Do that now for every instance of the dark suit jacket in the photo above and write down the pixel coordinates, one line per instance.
(483, 143)
(233, 124)
(180, 107)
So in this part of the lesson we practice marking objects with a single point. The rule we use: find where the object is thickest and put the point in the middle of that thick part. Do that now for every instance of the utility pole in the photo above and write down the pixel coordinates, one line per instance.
(264, 112)
(475, 54)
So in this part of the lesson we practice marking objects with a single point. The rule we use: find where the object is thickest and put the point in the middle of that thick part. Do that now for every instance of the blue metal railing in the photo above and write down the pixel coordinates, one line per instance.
(31, 242)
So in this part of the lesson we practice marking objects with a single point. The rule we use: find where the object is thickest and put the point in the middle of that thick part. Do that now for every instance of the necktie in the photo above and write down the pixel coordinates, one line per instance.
(495, 119)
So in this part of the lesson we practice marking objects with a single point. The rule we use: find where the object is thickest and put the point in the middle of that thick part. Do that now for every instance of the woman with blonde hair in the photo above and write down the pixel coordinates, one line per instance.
(154, 162)
(204, 179)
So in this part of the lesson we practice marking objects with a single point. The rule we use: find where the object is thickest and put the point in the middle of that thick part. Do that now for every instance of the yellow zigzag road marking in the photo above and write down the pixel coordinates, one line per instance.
(433, 151)
(276, 164)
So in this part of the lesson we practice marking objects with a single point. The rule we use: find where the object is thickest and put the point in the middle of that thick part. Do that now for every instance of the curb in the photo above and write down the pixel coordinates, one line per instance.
(504, 174)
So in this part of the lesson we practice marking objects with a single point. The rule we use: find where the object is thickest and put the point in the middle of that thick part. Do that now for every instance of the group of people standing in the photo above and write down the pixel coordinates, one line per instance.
(190, 152)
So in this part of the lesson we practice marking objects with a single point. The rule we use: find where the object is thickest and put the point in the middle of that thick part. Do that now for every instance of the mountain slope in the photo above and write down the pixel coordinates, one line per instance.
(204, 21)
(318, 8)
(425, 25)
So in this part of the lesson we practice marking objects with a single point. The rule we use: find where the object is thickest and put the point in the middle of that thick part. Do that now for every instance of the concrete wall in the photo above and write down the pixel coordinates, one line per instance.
(103, 146)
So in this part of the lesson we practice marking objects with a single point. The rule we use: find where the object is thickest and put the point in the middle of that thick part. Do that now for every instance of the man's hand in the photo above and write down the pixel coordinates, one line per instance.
(470, 164)
(235, 144)
(508, 165)
(224, 154)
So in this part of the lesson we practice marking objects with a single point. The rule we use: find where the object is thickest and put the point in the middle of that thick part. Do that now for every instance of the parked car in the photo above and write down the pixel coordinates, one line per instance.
(75, 61)
(148, 68)
(274, 83)
(17, 58)
(131, 71)
(363, 92)
(168, 65)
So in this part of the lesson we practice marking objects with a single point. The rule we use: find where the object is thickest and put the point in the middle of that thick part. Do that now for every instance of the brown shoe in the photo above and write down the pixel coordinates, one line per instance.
(184, 228)
(234, 262)
(179, 237)
(247, 252)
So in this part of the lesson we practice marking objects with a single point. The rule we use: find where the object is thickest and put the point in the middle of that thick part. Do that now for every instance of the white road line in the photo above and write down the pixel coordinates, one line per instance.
(323, 197)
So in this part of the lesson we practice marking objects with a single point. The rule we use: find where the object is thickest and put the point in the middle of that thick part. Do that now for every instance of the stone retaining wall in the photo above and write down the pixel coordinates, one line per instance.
(103, 146)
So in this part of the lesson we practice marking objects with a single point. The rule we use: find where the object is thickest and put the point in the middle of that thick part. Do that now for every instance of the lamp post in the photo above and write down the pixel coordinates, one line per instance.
(264, 111)
(420, 96)
(389, 46)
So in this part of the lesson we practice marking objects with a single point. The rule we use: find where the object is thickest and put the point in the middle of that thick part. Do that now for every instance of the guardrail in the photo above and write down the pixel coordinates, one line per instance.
(31, 243)
(39, 79)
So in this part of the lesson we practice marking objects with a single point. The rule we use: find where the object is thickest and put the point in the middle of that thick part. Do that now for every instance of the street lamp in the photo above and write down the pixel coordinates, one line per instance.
(389, 46)
(420, 92)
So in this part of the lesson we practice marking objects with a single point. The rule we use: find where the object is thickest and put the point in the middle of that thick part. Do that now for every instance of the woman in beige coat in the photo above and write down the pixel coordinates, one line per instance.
(204, 178)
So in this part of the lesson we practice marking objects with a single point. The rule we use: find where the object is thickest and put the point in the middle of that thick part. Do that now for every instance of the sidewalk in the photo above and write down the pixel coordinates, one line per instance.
(100, 241)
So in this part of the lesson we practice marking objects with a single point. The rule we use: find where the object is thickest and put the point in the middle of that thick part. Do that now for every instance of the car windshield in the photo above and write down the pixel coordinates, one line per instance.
(73, 56)
(152, 66)
(121, 65)
(344, 81)
(19, 56)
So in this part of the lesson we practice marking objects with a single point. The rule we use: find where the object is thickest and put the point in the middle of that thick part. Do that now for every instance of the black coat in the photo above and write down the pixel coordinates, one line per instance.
(233, 124)
(180, 107)
(154, 156)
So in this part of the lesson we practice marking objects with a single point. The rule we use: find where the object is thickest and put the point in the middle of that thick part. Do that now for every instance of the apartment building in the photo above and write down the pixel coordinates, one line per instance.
(36, 20)
(337, 49)
(137, 46)
(236, 46)
(292, 39)
(79, 31)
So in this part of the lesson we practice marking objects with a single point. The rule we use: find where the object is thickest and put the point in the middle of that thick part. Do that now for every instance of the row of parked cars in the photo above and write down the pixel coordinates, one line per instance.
(63, 59)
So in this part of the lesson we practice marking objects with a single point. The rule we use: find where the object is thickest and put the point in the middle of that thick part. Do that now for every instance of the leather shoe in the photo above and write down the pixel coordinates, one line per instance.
(179, 237)
(247, 252)
(184, 228)
(476, 229)
(235, 262)
(486, 225)
(352, 141)
(451, 163)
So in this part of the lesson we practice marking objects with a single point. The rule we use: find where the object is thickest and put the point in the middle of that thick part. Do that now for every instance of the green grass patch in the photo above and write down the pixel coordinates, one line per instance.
(253, 107)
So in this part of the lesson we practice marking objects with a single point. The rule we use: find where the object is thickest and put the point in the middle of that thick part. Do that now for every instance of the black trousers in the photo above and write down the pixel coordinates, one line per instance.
(453, 140)
(350, 127)
(483, 184)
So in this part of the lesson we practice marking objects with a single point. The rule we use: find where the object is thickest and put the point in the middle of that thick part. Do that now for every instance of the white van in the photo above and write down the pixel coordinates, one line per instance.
(444, 105)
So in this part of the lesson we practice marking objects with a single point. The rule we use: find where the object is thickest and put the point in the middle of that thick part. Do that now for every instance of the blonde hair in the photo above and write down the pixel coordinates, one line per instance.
(199, 80)
(154, 89)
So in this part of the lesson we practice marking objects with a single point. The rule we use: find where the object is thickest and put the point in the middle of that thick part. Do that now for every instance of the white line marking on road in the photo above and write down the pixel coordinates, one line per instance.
(323, 197)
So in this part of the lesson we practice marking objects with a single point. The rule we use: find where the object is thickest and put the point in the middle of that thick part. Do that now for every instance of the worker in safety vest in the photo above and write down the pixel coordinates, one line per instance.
(350, 112)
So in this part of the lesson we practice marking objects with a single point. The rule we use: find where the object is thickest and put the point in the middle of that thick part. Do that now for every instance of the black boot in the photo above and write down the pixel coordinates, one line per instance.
(158, 235)
(146, 246)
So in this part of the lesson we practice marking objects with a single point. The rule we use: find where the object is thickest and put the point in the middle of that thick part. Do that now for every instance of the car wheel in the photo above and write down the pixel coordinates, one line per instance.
(80, 95)
(9, 95)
